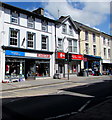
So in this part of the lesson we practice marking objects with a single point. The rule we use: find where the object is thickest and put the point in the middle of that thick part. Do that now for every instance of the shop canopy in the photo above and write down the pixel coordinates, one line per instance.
(92, 57)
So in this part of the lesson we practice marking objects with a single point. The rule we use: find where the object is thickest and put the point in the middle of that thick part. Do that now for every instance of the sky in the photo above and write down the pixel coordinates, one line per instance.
(93, 13)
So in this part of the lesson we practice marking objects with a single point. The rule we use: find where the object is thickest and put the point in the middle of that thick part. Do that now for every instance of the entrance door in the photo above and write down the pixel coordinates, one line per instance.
(30, 69)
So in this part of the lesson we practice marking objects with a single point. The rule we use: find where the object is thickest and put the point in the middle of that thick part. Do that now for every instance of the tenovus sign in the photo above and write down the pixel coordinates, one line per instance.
(77, 57)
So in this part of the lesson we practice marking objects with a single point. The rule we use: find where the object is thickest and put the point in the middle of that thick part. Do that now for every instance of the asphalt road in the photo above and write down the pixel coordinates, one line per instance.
(57, 105)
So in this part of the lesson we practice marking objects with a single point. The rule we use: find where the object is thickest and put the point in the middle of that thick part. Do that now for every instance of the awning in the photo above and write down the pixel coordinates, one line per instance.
(92, 57)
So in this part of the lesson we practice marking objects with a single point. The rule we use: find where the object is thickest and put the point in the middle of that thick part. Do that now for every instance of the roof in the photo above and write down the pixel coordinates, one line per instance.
(26, 12)
(63, 19)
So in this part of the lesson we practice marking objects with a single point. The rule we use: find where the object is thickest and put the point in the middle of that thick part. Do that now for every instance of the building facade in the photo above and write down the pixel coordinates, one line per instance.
(67, 43)
(27, 44)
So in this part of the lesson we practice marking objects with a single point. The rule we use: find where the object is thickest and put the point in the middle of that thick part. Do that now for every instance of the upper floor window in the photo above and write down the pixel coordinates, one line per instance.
(70, 30)
(14, 35)
(30, 22)
(94, 38)
(44, 25)
(60, 44)
(45, 44)
(87, 48)
(30, 40)
(86, 35)
(104, 51)
(94, 49)
(108, 42)
(104, 40)
(14, 17)
(72, 45)
(108, 52)
(64, 28)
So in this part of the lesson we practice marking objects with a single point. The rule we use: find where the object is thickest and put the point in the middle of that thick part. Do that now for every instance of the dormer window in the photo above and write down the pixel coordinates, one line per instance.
(44, 25)
(31, 22)
(14, 17)
(64, 28)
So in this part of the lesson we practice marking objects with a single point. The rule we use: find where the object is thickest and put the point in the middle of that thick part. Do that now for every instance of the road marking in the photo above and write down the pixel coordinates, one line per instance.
(73, 93)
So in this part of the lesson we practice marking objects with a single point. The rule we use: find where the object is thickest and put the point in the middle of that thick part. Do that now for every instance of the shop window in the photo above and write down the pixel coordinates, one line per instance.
(14, 69)
(14, 35)
(30, 40)
(30, 22)
(45, 44)
(44, 25)
(14, 17)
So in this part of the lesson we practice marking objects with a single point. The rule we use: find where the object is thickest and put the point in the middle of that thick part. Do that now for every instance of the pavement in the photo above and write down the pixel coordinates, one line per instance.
(102, 111)
(50, 81)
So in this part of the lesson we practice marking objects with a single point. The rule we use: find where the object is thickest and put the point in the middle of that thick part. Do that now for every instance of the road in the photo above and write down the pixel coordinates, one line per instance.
(57, 105)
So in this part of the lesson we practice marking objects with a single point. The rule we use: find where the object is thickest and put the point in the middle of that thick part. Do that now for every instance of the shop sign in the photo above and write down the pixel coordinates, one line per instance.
(43, 55)
(14, 53)
(77, 57)
(61, 55)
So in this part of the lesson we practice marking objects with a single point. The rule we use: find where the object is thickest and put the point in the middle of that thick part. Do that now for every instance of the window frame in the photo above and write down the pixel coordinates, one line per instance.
(29, 40)
(45, 43)
(72, 45)
(64, 28)
(86, 36)
(94, 49)
(87, 48)
(94, 38)
(13, 17)
(32, 22)
(60, 44)
(44, 24)
(15, 38)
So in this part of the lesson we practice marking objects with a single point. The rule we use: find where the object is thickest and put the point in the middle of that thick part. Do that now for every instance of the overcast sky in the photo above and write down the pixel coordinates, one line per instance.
(94, 13)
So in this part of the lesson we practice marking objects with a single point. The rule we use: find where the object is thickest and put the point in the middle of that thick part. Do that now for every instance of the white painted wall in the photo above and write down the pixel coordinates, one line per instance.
(5, 24)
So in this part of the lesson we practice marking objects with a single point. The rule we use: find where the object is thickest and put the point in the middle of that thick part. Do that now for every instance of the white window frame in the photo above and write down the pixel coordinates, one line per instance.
(64, 28)
(30, 40)
(44, 42)
(14, 17)
(70, 30)
(108, 52)
(44, 25)
(104, 41)
(30, 22)
(60, 44)
(16, 38)
(72, 47)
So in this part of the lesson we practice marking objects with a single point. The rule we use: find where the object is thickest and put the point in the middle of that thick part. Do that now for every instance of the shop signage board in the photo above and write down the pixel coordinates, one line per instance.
(43, 55)
(77, 57)
(14, 53)
(61, 55)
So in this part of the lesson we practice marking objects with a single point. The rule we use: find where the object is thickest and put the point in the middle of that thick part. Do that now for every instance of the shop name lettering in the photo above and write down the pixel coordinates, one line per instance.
(43, 55)
(76, 57)
(15, 53)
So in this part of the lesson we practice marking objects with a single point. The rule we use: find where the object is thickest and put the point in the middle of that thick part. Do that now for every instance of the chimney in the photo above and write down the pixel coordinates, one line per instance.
(39, 11)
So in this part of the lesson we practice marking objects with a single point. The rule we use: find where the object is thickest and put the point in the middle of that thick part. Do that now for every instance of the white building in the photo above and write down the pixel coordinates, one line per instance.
(67, 40)
(27, 41)
(106, 51)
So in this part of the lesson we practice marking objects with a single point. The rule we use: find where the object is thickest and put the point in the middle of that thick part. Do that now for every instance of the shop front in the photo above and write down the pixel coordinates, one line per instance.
(21, 66)
(92, 64)
(62, 64)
